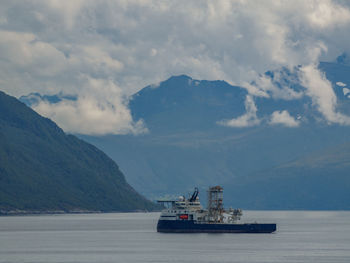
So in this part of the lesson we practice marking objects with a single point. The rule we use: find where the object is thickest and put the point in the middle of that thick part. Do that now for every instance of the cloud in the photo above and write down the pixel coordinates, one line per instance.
(47, 46)
(248, 119)
(326, 14)
(323, 97)
(93, 114)
(265, 86)
(346, 91)
(284, 118)
(141, 42)
(340, 84)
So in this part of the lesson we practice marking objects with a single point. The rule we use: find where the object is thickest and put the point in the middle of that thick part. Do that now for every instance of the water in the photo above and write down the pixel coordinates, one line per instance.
(132, 237)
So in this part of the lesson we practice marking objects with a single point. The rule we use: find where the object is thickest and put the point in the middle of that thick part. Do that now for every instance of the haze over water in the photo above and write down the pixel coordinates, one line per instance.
(132, 237)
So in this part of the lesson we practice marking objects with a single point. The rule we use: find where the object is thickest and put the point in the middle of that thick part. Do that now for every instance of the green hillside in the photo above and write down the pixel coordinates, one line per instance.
(43, 169)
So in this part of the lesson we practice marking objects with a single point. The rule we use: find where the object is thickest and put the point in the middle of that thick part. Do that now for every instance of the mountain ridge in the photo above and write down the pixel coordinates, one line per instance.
(43, 169)
(186, 147)
(320, 180)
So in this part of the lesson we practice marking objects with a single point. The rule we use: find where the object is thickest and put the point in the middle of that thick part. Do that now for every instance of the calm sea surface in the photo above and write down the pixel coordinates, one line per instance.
(132, 237)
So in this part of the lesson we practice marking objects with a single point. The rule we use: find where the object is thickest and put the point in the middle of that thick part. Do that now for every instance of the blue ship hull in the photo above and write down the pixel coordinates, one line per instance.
(189, 226)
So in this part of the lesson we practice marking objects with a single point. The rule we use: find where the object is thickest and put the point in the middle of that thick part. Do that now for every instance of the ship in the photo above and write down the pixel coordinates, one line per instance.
(186, 215)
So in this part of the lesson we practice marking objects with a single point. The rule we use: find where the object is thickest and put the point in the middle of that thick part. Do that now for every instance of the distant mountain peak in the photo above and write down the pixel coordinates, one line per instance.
(176, 81)
(179, 77)
(35, 98)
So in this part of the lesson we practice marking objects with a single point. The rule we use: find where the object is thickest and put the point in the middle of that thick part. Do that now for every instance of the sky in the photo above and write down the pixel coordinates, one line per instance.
(104, 51)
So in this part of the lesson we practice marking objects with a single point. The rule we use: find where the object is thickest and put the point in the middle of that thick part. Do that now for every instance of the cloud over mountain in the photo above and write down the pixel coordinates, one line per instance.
(246, 120)
(284, 118)
(99, 109)
(55, 46)
(322, 94)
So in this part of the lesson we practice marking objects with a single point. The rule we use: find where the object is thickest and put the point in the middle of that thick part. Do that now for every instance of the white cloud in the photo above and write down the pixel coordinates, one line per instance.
(320, 90)
(153, 52)
(263, 86)
(99, 110)
(67, 9)
(23, 51)
(340, 84)
(46, 46)
(326, 14)
(247, 120)
(284, 118)
(346, 91)
(142, 42)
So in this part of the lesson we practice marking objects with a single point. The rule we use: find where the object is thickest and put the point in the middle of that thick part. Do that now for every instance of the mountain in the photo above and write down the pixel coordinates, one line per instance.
(338, 74)
(319, 181)
(34, 98)
(43, 169)
(186, 146)
(182, 104)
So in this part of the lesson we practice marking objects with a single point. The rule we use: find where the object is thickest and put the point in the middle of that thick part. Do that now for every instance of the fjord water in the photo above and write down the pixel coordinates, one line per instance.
(302, 236)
